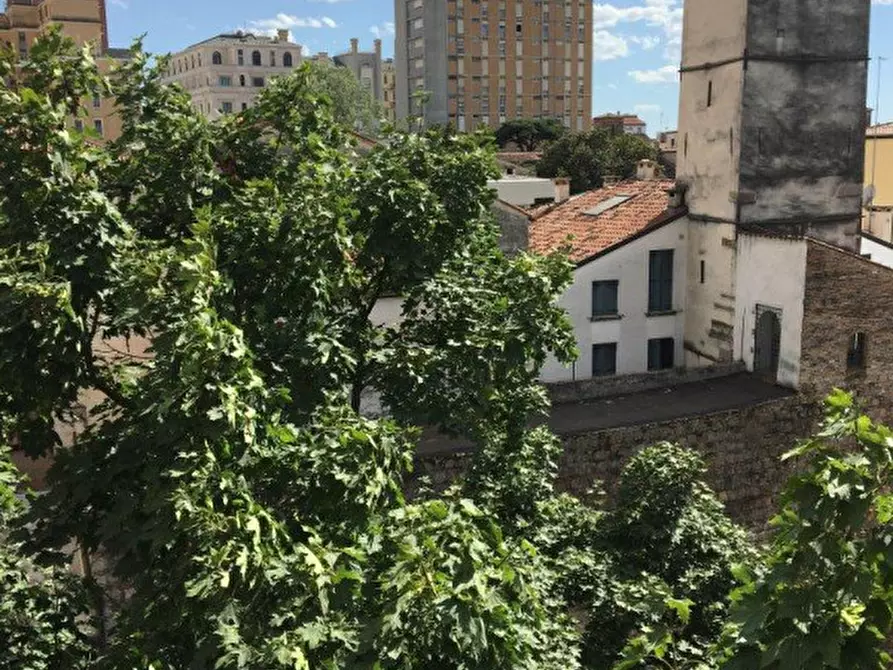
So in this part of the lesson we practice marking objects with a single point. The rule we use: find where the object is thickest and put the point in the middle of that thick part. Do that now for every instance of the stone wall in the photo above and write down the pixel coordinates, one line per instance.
(847, 294)
(741, 447)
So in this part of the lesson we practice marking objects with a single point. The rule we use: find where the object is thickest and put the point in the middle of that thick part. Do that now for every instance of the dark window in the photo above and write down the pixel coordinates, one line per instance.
(241, 56)
(257, 81)
(604, 298)
(660, 353)
(660, 281)
(703, 271)
(241, 80)
(709, 93)
(604, 359)
(856, 357)
(79, 125)
(97, 101)
(255, 58)
(286, 59)
(227, 107)
(97, 126)
(216, 58)
(685, 147)
(244, 106)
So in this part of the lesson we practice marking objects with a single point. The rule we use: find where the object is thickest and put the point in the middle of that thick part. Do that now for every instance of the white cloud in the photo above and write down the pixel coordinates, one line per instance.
(662, 16)
(289, 22)
(647, 109)
(647, 43)
(384, 30)
(607, 46)
(668, 74)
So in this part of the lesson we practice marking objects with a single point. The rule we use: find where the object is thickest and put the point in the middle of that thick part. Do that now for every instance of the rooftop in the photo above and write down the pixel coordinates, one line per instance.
(241, 37)
(599, 219)
(626, 119)
(880, 130)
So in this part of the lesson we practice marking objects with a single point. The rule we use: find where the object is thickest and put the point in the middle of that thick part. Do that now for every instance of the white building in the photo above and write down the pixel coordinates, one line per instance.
(225, 74)
(523, 191)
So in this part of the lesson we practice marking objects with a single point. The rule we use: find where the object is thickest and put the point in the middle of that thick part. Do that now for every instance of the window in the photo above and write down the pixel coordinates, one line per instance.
(241, 56)
(97, 101)
(660, 281)
(287, 60)
(604, 298)
(225, 80)
(703, 271)
(217, 58)
(255, 58)
(660, 353)
(227, 107)
(79, 125)
(244, 106)
(97, 126)
(604, 359)
(709, 93)
(241, 80)
(257, 82)
(856, 358)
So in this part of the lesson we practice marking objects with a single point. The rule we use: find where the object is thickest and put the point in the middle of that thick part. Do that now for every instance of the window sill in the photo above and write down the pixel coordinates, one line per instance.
(606, 317)
(670, 312)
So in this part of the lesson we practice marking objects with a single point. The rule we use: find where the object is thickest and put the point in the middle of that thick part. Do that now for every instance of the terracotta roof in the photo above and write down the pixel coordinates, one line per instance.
(592, 234)
(625, 119)
(882, 130)
(519, 156)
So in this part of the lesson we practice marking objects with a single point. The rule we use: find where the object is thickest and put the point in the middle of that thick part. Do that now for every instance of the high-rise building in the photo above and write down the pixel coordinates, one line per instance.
(225, 73)
(389, 89)
(477, 63)
(84, 21)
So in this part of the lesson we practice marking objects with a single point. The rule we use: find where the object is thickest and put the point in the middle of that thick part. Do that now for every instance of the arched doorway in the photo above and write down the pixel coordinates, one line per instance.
(767, 343)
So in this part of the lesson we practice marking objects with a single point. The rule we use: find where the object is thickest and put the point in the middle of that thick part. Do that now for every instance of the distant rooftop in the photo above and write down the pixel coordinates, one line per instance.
(241, 37)
(880, 130)
(625, 119)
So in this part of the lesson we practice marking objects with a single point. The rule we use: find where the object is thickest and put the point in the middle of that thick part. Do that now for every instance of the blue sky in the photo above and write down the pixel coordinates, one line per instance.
(636, 41)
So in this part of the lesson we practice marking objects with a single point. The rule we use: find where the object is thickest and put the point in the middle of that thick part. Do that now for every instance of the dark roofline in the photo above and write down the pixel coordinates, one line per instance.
(876, 240)
(667, 217)
(846, 252)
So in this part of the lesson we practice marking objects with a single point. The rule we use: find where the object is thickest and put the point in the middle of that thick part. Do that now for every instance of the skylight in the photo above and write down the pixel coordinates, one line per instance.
(605, 205)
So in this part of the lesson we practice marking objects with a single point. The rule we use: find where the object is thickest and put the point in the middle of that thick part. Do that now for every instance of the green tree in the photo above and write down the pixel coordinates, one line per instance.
(529, 134)
(351, 104)
(587, 158)
(255, 518)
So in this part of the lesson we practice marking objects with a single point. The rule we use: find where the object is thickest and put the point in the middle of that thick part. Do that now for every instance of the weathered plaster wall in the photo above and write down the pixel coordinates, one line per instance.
(846, 294)
(710, 305)
(771, 272)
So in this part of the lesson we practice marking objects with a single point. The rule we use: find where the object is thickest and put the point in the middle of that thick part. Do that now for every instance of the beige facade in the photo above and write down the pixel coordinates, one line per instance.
(877, 216)
(84, 21)
(225, 74)
(389, 89)
(482, 63)
(366, 67)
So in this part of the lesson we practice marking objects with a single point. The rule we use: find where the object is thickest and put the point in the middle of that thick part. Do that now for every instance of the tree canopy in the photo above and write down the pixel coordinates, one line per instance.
(587, 158)
(529, 134)
(351, 104)
(232, 506)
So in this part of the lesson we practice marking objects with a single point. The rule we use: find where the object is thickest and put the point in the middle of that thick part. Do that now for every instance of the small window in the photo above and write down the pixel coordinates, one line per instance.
(97, 101)
(660, 281)
(227, 107)
(703, 271)
(685, 147)
(97, 126)
(856, 357)
(661, 352)
(709, 93)
(255, 58)
(604, 359)
(287, 60)
(217, 58)
(241, 80)
(244, 106)
(241, 56)
(257, 82)
(225, 80)
(604, 298)
(79, 125)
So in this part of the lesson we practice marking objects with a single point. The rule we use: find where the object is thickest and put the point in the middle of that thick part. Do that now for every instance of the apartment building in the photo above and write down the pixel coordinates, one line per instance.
(476, 63)
(389, 89)
(84, 21)
(225, 73)
(366, 67)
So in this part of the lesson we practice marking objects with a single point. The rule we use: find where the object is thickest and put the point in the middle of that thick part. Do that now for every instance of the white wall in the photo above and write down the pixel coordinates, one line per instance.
(879, 253)
(629, 265)
(771, 272)
(522, 191)
(387, 312)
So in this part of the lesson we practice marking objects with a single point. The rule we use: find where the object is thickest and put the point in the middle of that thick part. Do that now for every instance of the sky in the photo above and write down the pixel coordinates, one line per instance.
(637, 42)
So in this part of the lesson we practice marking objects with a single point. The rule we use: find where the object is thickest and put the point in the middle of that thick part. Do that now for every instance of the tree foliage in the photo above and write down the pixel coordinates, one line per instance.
(351, 104)
(587, 158)
(529, 134)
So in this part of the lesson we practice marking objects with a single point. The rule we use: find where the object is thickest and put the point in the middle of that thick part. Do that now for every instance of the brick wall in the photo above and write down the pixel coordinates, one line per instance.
(742, 449)
(847, 294)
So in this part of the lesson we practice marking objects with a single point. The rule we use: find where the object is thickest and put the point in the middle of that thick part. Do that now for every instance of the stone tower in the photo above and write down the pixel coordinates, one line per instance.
(772, 113)
(771, 135)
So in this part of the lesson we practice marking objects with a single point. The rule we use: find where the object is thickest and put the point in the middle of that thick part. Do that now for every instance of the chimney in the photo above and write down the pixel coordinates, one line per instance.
(354, 45)
(646, 170)
(562, 189)
(282, 35)
(377, 49)
(610, 179)
(677, 195)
